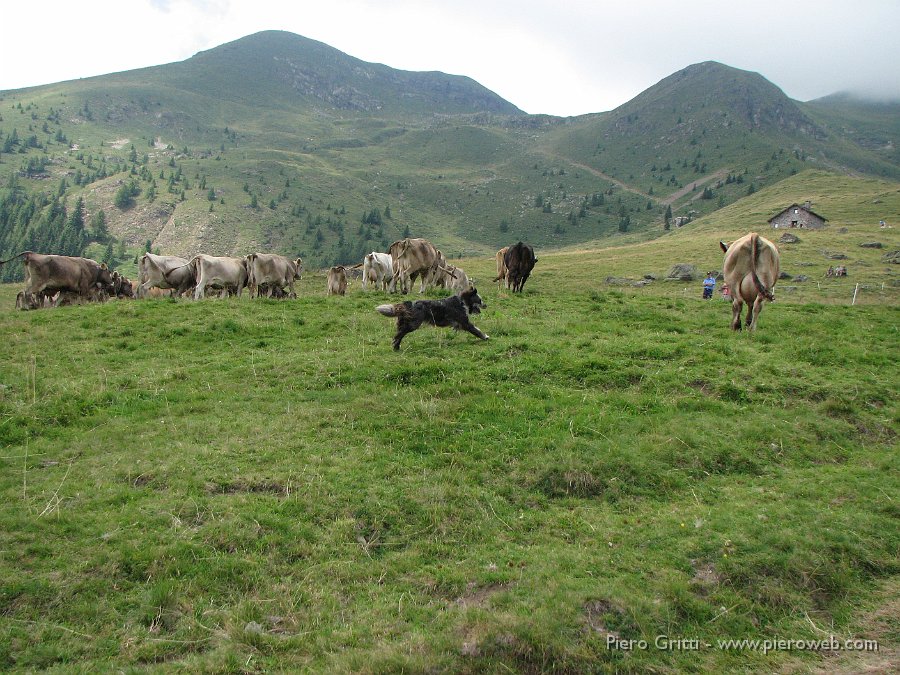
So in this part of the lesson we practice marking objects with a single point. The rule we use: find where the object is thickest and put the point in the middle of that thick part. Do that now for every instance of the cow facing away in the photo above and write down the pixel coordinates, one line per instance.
(269, 271)
(751, 269)
(229, 274)
(337, 281)
(412, 258)
(164, 272)
(502, 272)
(377, 270)
(519, 260)
(70, 277)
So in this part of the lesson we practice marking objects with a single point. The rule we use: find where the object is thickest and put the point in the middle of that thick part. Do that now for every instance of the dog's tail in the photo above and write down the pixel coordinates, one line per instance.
(387, 310)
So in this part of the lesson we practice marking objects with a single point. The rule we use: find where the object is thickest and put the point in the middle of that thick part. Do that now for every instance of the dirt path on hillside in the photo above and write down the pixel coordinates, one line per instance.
(672, 198)
(665, 201)
(605, 176)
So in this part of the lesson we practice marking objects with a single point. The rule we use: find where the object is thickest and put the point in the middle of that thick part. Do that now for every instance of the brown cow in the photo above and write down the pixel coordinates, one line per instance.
(45, 275)
(502, 272)
(337, 280)
(413, 258)
(751, 270)
(121, 287)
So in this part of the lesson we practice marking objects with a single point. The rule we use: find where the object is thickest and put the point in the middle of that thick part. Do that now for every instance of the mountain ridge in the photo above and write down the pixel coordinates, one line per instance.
(280, 142)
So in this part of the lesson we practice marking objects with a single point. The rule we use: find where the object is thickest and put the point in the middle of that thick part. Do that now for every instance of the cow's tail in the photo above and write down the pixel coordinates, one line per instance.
(180, 267)
(3, 262)
(388, 310)
(754, 258)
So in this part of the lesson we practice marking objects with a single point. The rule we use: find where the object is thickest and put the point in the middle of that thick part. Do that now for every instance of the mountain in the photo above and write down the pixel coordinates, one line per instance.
(279, 68)
(710, 123)
(280, 143)
(872, 125)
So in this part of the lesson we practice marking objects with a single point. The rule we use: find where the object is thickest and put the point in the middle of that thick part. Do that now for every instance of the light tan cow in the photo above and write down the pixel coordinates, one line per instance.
(411, 258)
(337, 281)
(166, 272)
(751, 269)
(274, 272)
(455, 279)
(502, 272)
(230, 274)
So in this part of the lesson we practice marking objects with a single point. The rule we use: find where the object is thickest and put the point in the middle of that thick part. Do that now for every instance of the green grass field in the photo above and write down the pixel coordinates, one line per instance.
(247, 486)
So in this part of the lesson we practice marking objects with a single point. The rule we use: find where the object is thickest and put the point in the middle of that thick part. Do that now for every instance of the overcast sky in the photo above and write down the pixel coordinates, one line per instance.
(561, 57)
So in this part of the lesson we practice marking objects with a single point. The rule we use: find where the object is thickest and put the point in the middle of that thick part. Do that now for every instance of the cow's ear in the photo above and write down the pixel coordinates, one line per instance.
(103, 266)
(724, 246)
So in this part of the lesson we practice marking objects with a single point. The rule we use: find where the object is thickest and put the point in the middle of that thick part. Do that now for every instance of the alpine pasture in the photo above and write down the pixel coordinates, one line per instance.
(252, 485)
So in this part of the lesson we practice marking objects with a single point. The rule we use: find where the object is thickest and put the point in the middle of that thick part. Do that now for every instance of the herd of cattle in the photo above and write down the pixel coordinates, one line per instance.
(751, 269)
(56, 280)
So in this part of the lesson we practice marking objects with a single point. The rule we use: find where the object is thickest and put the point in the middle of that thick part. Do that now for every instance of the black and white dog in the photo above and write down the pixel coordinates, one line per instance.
(450, 312)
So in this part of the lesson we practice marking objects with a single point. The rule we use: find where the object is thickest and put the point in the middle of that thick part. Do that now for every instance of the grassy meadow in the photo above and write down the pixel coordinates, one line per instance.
(248, 486)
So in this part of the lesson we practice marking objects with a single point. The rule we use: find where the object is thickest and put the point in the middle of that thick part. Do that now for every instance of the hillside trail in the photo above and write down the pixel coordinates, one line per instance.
(678, 194)
(605, 176)
(665, 201)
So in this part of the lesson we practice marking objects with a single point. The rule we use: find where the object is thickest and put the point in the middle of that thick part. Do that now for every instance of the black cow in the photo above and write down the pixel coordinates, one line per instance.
(519, 260)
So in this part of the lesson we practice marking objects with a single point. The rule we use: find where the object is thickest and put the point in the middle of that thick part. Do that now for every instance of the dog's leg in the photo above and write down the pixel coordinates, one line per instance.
(473, 329)
(403, 327)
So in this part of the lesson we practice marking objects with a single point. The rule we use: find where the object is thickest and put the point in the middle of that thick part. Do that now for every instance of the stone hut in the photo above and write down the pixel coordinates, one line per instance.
(797, 216)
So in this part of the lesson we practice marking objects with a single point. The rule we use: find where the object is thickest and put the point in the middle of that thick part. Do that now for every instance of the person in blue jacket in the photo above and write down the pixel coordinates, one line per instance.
(709, 285)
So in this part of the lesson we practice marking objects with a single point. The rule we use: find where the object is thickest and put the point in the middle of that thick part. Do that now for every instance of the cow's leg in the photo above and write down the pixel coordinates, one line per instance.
(200, 290)
(756, 309)
(736, 306)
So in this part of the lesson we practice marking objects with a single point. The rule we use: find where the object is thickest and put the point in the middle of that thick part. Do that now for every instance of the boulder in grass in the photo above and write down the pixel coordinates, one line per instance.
(683, 272)
(788, 238)
(871, 244)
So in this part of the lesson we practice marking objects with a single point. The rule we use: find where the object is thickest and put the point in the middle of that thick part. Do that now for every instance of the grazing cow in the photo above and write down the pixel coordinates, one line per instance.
(501, 267)
(271, 271)
(46, 275)
(229, 274)
(377, 269)
(413, 258)
(164, 271)
(337, 280)
(751, 270)
(455, 279)
(121, 286)
(519, 261)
